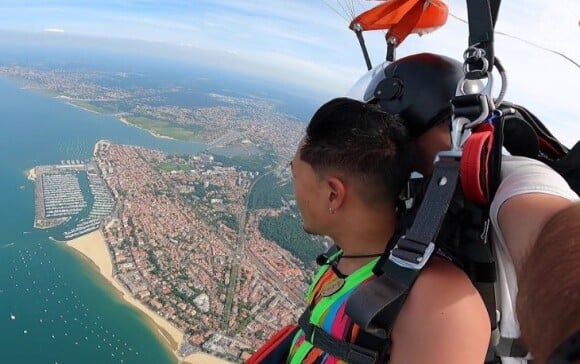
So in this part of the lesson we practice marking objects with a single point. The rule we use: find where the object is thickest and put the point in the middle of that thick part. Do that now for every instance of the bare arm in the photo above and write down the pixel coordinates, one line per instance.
(443, 321)
(529, 194)
(548, 302)
(521, 219)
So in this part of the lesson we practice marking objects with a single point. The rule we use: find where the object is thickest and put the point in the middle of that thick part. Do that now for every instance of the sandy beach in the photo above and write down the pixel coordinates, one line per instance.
(126, 122)
(75, 105)
(93, 247)
(202, 358)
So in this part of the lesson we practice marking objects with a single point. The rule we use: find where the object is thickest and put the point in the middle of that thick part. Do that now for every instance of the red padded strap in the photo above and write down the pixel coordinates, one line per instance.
(275, 341)
(474, 172)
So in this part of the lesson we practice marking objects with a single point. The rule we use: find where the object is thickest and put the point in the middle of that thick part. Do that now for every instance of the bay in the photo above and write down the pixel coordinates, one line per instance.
(54, 308)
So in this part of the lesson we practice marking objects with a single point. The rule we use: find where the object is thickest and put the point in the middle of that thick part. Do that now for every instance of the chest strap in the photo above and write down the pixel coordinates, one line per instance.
(346, 351)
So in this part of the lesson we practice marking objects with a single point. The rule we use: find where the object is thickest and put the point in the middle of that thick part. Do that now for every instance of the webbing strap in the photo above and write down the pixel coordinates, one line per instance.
(511, 348)
(437, 199)
(349, 352)
(482, 15)
(375, 305)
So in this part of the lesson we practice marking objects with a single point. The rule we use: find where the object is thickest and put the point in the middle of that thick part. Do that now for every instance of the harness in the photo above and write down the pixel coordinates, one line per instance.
(452, 216)
(366, 348)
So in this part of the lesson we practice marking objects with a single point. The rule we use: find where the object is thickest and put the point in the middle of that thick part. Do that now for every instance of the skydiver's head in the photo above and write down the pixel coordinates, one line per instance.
(419, 89)
(349, 167)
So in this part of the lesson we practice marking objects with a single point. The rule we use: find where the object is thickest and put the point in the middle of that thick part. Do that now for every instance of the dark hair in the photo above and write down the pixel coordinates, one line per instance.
(364, 143)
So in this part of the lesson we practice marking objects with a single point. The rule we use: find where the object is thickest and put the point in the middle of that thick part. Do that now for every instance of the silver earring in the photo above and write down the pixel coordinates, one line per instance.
(331, 210)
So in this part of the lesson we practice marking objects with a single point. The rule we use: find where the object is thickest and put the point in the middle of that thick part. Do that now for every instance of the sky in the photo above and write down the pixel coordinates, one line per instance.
(307, 43)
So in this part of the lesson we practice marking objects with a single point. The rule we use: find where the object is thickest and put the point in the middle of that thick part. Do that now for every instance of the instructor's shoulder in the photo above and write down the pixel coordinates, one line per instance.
(443, 320)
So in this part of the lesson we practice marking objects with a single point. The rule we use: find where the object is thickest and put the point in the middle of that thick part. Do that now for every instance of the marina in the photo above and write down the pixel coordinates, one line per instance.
(59, 198)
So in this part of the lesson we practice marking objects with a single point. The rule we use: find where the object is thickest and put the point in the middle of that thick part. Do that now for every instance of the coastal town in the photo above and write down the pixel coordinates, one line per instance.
(182, 234)
(175, 243)
(226, 121)
(183, 242)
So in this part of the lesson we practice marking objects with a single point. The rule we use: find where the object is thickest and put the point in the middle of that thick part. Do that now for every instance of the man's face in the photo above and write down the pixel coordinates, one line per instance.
(310, 194)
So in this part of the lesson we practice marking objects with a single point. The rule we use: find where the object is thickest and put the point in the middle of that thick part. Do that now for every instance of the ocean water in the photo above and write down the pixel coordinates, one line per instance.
(55, 308)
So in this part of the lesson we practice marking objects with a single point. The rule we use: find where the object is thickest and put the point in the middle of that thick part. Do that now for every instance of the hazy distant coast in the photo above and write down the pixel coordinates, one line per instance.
(94, 247)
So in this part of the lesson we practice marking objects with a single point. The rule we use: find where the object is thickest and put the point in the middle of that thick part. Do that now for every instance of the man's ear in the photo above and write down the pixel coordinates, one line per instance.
(336, 192)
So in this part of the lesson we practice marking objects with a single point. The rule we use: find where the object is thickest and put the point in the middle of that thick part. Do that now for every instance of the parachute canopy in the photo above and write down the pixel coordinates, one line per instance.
(403, 17)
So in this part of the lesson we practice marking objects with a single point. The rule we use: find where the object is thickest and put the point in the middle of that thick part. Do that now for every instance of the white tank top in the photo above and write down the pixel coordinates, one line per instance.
(519, 176)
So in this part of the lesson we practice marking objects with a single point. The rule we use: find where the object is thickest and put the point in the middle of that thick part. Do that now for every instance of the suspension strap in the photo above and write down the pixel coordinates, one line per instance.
(375, 305)
(482, 15)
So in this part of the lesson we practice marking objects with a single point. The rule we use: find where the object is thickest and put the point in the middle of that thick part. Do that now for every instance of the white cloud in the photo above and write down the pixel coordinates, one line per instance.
(53, 30)
(307, 43)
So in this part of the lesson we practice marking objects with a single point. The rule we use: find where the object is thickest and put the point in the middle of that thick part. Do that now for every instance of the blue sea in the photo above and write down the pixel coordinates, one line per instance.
(54, 307)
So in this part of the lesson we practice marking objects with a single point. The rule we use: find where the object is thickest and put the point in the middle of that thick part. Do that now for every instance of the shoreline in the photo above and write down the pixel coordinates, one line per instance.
(71, 103)
(126, 122)
(93, 247)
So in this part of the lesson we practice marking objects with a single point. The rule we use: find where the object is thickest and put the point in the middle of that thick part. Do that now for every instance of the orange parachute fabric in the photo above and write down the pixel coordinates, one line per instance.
(403, 17)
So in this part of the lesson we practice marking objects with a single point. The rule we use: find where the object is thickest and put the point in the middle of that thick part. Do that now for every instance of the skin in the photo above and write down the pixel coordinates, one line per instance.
(453, 328)
(550, 313)
(520, 217)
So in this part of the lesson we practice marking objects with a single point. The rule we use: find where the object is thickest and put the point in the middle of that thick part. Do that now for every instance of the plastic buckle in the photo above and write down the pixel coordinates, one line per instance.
(411, 258)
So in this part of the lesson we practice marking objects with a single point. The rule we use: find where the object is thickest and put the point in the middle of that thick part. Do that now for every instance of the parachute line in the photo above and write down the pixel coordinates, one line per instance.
(335, 11)
(569, 59)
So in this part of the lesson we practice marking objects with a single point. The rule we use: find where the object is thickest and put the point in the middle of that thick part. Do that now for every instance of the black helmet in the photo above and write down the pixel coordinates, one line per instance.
(419, 88)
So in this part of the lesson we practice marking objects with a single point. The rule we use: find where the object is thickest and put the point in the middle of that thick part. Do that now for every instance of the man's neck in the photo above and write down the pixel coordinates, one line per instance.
(363, 238)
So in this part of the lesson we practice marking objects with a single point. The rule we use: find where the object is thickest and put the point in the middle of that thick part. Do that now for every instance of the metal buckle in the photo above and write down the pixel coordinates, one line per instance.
(420, 259)
(460, 125)
(475, 54)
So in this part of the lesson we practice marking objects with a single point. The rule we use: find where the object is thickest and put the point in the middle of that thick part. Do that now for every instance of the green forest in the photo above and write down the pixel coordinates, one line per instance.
(253, 163)
(269, 192)
(286, 230)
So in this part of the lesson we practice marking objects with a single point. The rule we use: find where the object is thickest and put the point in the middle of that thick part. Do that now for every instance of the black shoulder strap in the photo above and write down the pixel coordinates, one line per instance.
(525, 135)
(522, 127)
(375, 305)
(569, 167)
